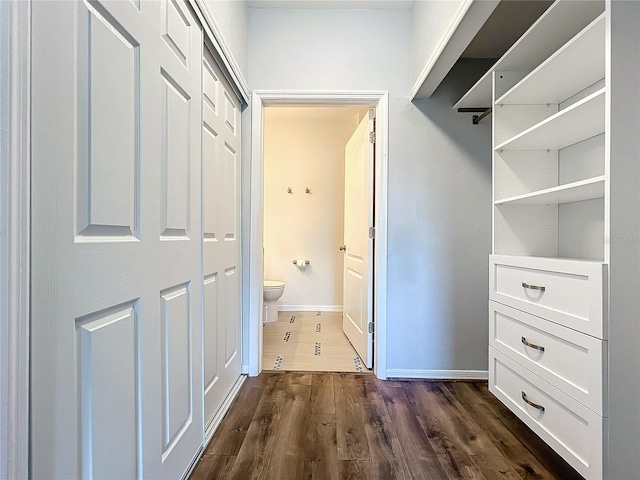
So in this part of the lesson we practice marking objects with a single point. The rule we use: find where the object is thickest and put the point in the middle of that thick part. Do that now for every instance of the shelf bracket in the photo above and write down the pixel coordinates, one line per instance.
(476, 118)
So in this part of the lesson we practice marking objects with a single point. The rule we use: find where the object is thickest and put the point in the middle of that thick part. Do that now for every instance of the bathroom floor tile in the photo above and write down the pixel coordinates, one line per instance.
(306, 341)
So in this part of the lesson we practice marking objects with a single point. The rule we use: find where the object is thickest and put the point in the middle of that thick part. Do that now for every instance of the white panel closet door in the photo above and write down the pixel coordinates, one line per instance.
(116, 240)
(221, 214)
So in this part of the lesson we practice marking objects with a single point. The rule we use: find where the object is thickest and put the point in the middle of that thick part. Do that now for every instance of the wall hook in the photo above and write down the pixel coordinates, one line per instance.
(307, 190)
(289, 190)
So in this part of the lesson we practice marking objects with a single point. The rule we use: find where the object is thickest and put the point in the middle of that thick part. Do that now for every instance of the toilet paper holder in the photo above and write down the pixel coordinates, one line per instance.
(306, 262)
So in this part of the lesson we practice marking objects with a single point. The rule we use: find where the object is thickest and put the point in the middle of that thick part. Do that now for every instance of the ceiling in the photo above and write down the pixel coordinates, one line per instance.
(505, 25)
(332, 4)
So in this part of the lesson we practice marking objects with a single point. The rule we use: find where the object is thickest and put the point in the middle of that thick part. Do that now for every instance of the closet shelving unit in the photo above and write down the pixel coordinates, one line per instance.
(584, 119)
(558, 25)
(569, 193)
(549, 163)
(549, 267)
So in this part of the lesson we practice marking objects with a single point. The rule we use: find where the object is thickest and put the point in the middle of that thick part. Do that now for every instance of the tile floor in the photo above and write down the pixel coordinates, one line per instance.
(309, 342)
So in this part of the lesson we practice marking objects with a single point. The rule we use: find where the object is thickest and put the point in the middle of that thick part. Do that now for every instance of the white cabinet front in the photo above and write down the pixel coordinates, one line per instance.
(570, 428)
(568, 292)
(569, 360)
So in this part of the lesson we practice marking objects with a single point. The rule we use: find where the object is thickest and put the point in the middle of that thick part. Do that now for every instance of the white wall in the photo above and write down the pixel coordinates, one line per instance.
(5, 275)
(230, 17)
(439, 173)
(304, 147)
(622, 457)
(429, 21)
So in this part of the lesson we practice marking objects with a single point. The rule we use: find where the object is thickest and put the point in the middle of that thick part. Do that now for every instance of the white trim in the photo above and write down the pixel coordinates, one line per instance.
(466, 22)
(260, 99)
(438, 374)
(310, 308)
(319, 98)
(334, 4)
(15, 193)
(444, 39)
(256, 267)
(220, 49)
(213, 425)
(381, 261)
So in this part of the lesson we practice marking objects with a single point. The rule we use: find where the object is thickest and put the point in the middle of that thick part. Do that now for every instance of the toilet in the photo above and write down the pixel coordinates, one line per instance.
(273, 290)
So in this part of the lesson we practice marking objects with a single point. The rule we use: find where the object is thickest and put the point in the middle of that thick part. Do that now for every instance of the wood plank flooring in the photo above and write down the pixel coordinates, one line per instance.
(286, 426)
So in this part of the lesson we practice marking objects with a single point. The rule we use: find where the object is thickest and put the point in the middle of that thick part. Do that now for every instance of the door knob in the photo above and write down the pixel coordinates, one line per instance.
(343, 248)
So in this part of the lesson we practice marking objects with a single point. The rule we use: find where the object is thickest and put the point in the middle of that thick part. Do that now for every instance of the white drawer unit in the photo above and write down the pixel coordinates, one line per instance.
(569, 292)
(563, 270)
(569, 360)
(570, 428)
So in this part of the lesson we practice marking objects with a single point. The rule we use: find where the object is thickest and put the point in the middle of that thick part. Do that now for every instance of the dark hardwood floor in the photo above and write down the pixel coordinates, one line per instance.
(292, 426)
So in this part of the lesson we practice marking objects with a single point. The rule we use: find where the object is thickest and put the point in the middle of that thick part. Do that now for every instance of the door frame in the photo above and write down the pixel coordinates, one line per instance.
(272, 98)
(15, 195)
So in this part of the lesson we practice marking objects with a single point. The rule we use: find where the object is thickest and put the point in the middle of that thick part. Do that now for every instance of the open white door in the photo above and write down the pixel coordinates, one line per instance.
(358, 240)
(116, 364)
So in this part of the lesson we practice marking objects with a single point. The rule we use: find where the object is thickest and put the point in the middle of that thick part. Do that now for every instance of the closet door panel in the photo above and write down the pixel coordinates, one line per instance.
(117, 244)
(221, 220)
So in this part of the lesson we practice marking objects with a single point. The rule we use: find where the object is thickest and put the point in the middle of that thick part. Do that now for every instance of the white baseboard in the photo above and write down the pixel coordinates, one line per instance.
(222, 411)
(438, 374)
(310, 308)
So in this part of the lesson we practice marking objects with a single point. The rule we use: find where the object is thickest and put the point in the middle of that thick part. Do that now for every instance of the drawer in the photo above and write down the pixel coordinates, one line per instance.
(569, 292)
(569, 360)
(574, 431)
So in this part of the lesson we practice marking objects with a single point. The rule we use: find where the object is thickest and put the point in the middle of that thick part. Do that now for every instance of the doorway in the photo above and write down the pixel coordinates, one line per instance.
(305, 188)
(263, 104)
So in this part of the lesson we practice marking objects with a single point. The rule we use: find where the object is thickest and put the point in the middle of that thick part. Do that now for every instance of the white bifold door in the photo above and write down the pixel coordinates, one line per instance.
(118, 284)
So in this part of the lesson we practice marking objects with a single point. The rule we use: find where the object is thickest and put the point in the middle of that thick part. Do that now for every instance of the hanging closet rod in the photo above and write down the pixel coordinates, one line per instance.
(476, 118)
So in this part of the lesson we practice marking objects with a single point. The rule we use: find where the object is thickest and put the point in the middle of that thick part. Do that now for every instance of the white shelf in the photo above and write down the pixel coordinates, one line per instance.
(582, 120)
(571, 192)
(549, 263)
(576, 66)
(562, 21)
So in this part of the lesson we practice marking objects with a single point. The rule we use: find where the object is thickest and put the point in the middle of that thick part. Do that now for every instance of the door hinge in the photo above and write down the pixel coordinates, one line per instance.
(372, 232)
(371, 327)
(372, 137)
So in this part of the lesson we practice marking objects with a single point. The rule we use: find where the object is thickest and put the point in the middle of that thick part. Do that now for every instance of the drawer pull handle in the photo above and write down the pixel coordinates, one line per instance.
(529, 402)
(532, 345)
(533, 287)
